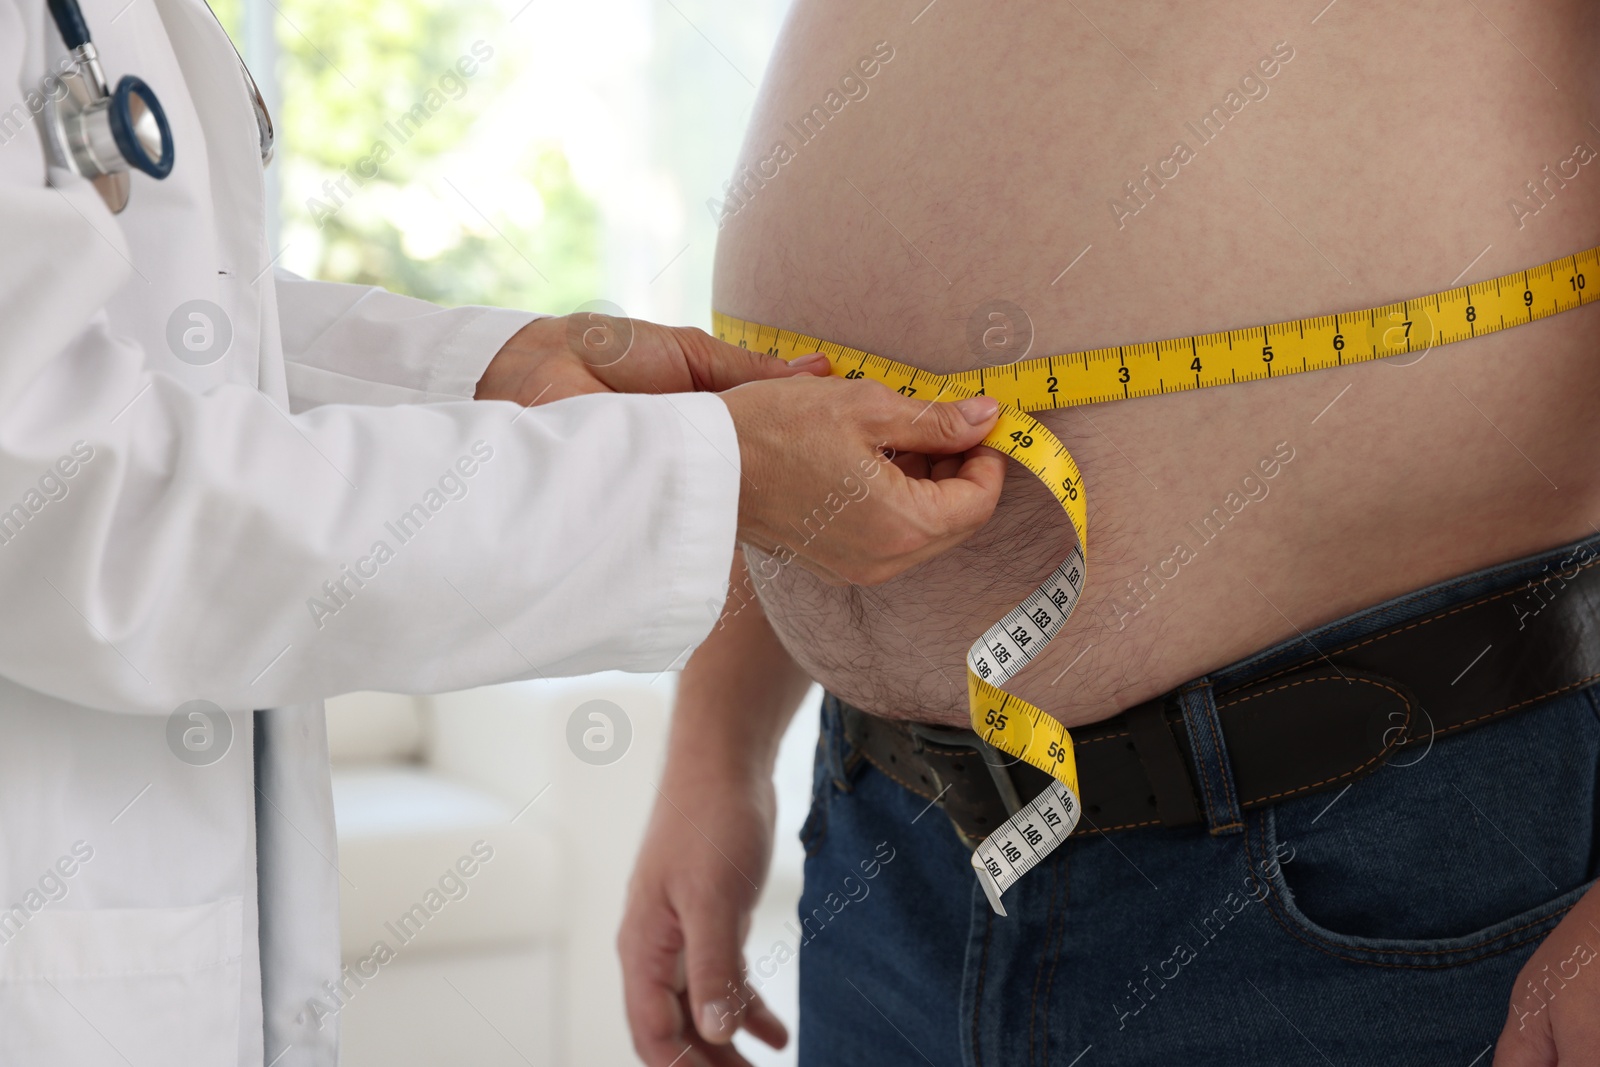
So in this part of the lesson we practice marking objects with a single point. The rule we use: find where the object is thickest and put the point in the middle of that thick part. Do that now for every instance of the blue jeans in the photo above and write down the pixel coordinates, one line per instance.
(1384, 924)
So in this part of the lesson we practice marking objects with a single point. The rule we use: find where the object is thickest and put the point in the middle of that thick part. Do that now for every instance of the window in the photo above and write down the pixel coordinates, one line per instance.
(526, 153)
(537, 154)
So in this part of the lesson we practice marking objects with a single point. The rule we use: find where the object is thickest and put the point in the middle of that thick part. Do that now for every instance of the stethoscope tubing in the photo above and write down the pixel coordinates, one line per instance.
(69, 20)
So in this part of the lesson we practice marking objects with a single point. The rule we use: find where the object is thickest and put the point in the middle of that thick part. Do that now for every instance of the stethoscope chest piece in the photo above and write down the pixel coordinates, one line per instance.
(97, 132)
(102, 137)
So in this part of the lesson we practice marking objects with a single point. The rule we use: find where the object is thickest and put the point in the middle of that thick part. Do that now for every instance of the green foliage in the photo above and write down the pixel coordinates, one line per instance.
(379, 102)
(433, 245)
(355, 64)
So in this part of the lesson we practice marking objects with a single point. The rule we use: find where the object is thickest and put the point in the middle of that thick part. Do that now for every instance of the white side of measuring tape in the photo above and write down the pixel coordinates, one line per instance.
(1004, 650)
(1012, 643)
(1026, 838)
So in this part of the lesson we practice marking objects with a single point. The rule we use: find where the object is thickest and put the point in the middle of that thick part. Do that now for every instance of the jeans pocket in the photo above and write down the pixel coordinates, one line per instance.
(1461, 848)
(1276, 859)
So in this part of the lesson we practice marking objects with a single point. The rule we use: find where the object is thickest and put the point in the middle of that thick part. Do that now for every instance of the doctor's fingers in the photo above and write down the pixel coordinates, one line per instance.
(675, 359)
(942, 428)
(715, 365)
(959, 498)
(911, 520)
(905, 523)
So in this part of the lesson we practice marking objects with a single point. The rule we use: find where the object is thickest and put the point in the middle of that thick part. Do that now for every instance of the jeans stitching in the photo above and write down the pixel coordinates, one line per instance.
(977, 997)
(1204, 775)
(1038, 971)
(1055, 956)
(1220, 766)
(1033, 995)
(1215, 762)
(1205, 789)
(1283, 922)
(1412, 966)
(1322, 944)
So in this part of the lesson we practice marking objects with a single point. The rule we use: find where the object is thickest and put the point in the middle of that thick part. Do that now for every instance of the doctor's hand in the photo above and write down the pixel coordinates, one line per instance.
(556, 358)
(819, 487)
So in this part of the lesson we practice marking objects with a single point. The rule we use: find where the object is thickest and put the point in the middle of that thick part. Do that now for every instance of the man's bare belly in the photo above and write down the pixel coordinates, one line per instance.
(1378, 162)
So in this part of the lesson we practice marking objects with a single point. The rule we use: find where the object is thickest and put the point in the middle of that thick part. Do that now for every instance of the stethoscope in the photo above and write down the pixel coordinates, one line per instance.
(100, 133)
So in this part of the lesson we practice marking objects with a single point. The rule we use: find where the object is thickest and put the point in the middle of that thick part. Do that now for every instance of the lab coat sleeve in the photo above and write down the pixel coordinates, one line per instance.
(159, 545)
(357, 344)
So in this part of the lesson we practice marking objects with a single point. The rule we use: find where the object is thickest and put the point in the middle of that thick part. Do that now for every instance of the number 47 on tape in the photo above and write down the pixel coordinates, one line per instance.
(1025, 839)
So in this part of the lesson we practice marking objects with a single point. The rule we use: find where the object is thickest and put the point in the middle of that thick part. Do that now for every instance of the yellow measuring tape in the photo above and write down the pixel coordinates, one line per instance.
(1122, 372)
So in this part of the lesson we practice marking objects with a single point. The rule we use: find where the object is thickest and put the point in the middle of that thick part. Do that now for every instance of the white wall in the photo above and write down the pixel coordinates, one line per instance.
(520, 969)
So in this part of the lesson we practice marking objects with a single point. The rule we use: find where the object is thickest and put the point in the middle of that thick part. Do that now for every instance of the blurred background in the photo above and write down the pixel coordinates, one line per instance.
(574, 163)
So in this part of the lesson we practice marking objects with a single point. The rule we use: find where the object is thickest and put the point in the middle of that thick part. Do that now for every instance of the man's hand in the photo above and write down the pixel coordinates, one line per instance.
(817, 488)
(1555, 1004)
(688, 913)
(555, 358)
(708, 847)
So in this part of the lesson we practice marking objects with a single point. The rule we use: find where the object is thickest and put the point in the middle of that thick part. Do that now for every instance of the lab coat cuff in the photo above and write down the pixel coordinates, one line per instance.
(706, 526)
(468, 353)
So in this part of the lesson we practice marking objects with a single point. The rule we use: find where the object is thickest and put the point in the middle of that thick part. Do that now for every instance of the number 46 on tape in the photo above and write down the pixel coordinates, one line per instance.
(1026, 838)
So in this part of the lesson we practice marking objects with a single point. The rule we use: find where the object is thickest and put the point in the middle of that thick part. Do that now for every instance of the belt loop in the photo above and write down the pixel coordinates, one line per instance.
(1212, 769)
(1165, 767)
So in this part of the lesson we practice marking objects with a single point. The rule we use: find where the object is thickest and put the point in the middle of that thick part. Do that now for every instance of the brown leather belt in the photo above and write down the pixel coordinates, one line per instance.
(1301, 727)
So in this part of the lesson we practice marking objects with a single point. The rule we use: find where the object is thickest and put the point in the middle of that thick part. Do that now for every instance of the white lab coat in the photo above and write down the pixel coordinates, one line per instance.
(184, 554)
